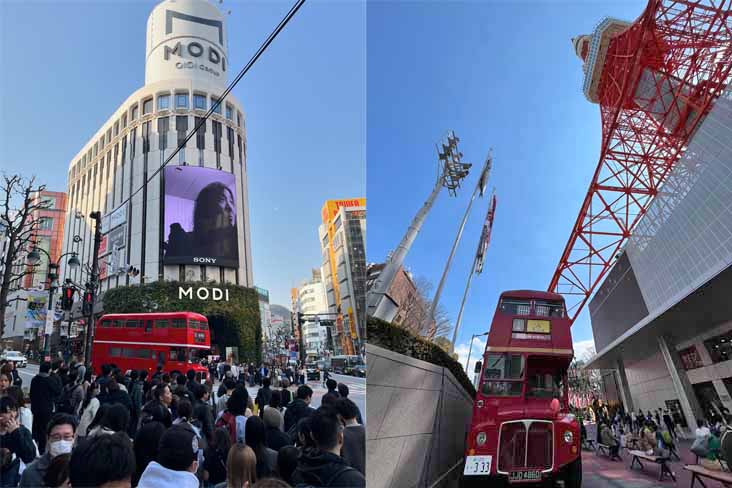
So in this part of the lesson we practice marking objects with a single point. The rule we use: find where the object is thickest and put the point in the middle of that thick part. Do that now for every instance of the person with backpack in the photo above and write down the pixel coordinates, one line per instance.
(233, 419)
(72, 395)
(136, 397)
(298, 408)
(324, 466)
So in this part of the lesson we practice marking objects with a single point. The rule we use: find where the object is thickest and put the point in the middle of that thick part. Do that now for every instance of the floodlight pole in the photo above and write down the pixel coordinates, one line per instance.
(379, 305)
(479, 189)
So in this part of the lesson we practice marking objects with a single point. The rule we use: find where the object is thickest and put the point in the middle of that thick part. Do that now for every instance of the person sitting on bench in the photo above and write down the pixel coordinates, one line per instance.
(609, 440)
(648, 438)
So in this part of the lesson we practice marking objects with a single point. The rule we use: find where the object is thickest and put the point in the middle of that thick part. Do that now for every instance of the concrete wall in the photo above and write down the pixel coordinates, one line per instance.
(419, 415)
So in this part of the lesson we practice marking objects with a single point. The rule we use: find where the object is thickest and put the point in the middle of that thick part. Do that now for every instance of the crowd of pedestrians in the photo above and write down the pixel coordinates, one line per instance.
(123, 429)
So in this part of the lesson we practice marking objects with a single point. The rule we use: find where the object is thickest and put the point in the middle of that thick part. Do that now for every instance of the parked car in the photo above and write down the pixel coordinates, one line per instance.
(19, 359)
(358, 370)
(313, 373)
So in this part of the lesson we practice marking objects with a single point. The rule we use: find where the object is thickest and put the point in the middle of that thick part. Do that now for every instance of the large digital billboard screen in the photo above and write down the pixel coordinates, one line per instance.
(200, 217)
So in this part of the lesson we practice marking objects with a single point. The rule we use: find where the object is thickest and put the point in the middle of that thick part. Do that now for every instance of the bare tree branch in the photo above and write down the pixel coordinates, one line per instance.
(19, 206)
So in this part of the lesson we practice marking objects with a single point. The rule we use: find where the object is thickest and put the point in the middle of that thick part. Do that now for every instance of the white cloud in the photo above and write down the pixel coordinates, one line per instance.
(584, 350)
(475, 355)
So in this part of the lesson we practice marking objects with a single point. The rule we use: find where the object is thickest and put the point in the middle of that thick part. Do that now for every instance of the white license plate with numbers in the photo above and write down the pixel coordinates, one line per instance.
(477, 465)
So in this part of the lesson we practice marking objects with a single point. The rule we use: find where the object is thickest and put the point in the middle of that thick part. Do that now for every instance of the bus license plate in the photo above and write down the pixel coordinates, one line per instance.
(519, 476)
(477, 465)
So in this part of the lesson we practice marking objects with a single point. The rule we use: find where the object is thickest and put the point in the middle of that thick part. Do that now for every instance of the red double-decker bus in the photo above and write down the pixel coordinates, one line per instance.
(521, 430)
(177, 341)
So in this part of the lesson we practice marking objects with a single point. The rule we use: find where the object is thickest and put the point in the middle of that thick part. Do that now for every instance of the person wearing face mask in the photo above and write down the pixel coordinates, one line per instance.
(16, 439)
(177, 461)
(60, 440)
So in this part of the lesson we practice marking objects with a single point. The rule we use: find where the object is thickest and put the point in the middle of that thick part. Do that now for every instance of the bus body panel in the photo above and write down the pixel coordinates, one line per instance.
(146, 340)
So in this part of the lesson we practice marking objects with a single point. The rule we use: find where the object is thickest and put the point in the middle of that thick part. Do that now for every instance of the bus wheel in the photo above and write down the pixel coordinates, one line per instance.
(573, 476)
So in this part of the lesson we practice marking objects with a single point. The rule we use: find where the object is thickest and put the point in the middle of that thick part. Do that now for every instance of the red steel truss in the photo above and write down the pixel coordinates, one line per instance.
(660, 79)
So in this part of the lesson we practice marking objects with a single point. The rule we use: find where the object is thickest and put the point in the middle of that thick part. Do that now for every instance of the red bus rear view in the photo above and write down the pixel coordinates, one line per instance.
(522, 430)
(177, 341)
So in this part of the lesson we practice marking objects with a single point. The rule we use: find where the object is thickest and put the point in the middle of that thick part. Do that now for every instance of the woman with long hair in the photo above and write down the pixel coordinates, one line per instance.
(214, 222)
(214, 457)
(255, 438)
(89, 408)
(241, 467)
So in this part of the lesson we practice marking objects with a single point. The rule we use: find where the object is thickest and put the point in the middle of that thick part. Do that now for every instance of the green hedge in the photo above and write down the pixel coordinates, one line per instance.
(394, 338)
(240, 313)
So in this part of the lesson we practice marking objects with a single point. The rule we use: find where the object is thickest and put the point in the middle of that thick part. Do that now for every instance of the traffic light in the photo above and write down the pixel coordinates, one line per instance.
(67, 299)
(88, 301)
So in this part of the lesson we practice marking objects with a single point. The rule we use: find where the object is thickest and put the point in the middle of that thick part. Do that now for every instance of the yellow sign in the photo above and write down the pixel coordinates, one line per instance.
(331, 207)
(541, 326)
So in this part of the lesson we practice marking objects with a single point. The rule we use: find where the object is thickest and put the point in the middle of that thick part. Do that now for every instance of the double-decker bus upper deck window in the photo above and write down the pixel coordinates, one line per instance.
(179, 323)
(161, 324)
(131, 323)
(549, 309)
(502, 375)
(118, 323)
(519, 325)
(106, 323)
(513, 306)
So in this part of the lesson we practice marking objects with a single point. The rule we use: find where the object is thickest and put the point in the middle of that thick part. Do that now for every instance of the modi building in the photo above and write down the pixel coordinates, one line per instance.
(188, 221)
(662, 319)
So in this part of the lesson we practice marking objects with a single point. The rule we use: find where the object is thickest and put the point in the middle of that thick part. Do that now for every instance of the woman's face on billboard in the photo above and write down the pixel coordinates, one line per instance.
(225, 215)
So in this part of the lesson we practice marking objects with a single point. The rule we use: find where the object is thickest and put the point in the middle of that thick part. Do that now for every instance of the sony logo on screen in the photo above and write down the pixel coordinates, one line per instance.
(194, 49)
(203, 293)
(205, 260)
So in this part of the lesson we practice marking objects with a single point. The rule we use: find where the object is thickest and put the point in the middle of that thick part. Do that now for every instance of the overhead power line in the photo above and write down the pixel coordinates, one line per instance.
(226, 92)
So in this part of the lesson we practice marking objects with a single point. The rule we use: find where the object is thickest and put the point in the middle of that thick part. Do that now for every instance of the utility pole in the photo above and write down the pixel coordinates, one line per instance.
(97, 217)
(451, 172)
(485, 238)
(479, 190)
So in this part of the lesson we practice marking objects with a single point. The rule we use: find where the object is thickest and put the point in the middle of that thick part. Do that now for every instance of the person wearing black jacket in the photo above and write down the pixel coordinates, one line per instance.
(202, 412)
(323, 466)
(343, 391)
(264, 395)
(44, 390)
(158, 409)
(16, 438)
(299, 407)
(115, 394)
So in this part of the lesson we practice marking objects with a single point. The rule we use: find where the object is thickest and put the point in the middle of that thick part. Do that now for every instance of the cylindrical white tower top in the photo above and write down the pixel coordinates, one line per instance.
(186, 39)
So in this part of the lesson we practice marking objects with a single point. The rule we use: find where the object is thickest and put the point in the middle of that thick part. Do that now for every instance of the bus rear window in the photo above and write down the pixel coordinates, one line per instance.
(512, 306)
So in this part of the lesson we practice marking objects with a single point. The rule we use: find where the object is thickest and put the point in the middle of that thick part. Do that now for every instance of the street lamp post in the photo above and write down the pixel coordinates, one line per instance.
(452, 172)
(470, 349)
(97, 217)
(33, 259)
(479, 190)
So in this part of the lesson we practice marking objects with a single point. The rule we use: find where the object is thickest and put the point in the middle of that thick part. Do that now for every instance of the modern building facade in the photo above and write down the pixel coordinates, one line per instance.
(343, 247)
(189, 220)
(662, 319)
(312, 301)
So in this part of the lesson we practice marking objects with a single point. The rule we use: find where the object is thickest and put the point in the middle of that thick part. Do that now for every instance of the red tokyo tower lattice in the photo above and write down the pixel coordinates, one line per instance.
(655, 80)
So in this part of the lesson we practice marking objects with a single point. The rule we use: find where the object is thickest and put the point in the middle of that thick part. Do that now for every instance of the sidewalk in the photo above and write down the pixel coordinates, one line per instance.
(600, 472)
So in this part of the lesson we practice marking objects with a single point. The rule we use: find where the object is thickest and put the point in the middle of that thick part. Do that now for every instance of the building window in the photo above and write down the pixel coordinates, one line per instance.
(181, 100)
(109, 135)
(199, 102)
(124, 120)
(163, 102)
(147, 106)
(217, 110)
(720, 347)
(163, 127)
(45, 223)
(238, 119)
(133, 116)
(229, 112)
(690, 358)
(201, 133)
(116, 128)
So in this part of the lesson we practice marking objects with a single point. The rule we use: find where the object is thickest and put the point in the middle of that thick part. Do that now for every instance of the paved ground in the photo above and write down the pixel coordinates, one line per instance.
(600, 472)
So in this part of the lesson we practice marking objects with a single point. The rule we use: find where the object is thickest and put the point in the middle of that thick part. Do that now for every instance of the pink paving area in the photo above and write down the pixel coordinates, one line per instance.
(599, 471)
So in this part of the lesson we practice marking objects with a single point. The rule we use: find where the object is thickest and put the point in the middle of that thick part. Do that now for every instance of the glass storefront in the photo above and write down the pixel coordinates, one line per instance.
(720, 347)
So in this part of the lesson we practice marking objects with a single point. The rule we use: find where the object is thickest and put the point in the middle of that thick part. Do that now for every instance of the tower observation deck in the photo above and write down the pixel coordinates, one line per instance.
(655, 80)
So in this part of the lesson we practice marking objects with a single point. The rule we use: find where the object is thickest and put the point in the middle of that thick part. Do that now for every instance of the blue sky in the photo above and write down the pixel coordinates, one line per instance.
(68, 65)
(502, 75)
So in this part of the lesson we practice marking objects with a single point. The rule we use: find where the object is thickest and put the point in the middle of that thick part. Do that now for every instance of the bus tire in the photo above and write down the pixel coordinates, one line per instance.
(573, 474)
